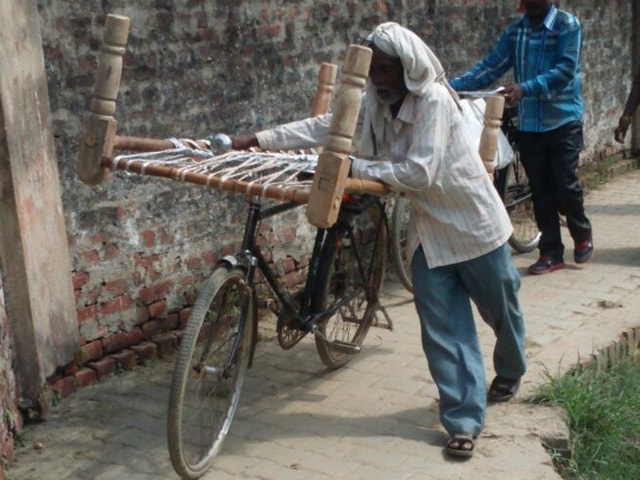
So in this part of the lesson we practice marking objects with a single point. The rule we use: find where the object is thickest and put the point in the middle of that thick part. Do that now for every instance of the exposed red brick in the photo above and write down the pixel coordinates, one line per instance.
(91, 351)
(151, 328)
(145, 261)
(142, 314)
(293, 278)
(86, 313)
(103, 367)
(65, 386)
(171, 322)
(189, 280)
(194, 263)
(92, 257)
(7, 453)
(158, 309)
(117, 287)
(289, 235)
(71, 368)
(111, 250)
(155, 292)
(183, 317)
(145, 351)
(117, 305)
(92, 295)
(120, 340)
(85, 377)
(209, 258)
(154, 274)
(288, 264)
(135, 336)
(148, 238)
(126, 359)
(167, 344)
(79, 279)
(99, 237)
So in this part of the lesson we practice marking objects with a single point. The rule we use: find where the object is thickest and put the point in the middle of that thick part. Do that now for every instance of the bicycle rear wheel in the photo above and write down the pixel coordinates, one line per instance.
(398, 241)
(209, 372)
(353, 265)
(517, 200)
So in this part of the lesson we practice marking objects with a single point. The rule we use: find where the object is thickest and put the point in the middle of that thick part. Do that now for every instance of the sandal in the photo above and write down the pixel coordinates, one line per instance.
(503, 389)
(461, 445)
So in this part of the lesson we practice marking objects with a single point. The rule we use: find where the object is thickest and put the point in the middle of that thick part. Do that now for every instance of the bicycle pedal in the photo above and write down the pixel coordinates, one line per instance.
(336, 345)
(344, 347)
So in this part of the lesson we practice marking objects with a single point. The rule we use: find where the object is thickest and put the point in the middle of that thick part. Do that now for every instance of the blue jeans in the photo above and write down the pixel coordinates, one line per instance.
(449, 336)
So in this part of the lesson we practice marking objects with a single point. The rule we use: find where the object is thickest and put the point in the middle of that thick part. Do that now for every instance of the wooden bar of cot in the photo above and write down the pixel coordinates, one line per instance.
(332, 171)
(99, 125)
(489, 137)
(299, 195)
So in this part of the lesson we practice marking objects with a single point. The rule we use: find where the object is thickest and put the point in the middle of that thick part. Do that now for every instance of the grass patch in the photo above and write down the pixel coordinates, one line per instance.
(602, 411)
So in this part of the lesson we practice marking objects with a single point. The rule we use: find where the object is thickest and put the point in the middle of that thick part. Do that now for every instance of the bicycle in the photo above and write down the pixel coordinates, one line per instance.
(513, 187)
(338, 304)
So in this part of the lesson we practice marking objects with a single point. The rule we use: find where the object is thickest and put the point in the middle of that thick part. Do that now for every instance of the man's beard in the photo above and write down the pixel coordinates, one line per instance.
(390, 97)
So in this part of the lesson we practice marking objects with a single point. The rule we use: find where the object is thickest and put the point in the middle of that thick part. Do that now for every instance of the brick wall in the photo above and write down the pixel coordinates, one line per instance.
(11, 420)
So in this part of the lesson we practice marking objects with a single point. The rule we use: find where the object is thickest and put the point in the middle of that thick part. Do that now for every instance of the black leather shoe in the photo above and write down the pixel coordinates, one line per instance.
(544, 265)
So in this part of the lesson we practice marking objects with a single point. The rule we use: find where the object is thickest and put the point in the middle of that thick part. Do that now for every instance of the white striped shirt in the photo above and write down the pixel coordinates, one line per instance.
(456, 213)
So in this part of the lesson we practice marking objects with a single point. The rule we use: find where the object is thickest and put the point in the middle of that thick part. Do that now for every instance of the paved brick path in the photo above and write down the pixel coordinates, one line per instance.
(376, 418)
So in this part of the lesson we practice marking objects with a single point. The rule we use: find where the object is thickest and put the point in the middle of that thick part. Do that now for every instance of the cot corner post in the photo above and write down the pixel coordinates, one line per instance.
(333, 167)
(99, 123)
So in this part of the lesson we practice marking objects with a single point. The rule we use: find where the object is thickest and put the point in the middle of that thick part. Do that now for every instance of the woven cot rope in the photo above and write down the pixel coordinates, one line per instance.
(244, 169)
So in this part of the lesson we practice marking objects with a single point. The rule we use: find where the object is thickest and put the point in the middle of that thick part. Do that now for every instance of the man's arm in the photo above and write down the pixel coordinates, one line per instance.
(488, 70)
(629, 109)
(301, 134)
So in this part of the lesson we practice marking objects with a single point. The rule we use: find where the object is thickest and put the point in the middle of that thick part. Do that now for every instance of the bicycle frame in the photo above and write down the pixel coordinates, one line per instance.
(308, 313)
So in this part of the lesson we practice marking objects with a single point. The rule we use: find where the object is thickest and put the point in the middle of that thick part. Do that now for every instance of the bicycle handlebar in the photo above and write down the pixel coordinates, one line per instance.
(481, 93)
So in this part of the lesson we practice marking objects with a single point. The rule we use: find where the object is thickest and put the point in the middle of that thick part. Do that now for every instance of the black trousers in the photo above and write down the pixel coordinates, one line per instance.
(550, 161)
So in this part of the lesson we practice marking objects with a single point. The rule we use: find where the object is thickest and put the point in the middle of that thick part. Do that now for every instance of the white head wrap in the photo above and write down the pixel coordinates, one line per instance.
(421, 69)
(421, 66)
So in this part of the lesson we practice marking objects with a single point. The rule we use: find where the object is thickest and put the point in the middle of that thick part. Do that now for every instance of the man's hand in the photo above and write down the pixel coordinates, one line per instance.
(621, 130)
(244, 142)
(513, 93)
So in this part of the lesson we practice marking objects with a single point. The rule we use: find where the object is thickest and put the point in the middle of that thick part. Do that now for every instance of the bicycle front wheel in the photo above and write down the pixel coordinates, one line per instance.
(209, 371)
(398, 241)
(517, 200)
(353, 267)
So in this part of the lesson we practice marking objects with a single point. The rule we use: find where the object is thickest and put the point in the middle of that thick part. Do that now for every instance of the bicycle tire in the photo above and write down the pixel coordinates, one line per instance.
(203, 400)
(340, 275)
(398, 241)
(519, 204)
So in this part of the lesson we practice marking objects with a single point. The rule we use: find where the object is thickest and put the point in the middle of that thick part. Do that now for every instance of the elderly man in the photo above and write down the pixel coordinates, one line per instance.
(414, 130)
